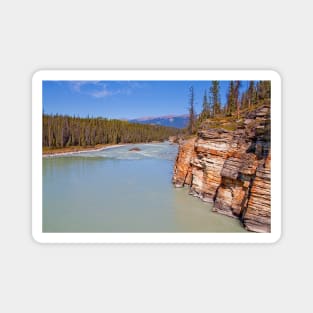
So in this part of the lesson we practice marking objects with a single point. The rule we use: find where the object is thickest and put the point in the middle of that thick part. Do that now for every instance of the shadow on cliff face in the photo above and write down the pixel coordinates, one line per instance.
(258, 130)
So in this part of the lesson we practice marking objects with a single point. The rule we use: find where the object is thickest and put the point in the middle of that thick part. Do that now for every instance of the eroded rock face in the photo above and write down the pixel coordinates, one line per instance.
(258, 214)
(231, 169)
(182, 171)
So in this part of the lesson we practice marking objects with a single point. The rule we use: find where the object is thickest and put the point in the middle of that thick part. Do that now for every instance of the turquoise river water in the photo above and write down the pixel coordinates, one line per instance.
(117, 190)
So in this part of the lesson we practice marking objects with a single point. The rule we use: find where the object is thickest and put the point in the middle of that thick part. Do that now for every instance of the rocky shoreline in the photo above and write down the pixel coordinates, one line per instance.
(230, 168)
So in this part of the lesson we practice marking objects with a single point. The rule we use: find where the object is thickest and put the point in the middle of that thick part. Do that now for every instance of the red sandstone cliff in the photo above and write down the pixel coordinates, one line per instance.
(231, 168)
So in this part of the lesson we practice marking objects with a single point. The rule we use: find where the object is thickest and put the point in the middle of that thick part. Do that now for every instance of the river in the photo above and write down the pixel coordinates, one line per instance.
(117, 190)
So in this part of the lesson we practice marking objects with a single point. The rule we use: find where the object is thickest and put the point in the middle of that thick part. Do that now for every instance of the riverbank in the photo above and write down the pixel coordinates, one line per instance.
(46, 152)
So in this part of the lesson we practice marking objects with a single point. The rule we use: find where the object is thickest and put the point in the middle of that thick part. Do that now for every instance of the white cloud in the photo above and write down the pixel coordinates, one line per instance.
(99, 89)
(101, 93)
(76, 85)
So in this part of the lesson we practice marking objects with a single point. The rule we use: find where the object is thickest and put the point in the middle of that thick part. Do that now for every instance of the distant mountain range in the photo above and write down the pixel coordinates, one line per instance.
(178, 121)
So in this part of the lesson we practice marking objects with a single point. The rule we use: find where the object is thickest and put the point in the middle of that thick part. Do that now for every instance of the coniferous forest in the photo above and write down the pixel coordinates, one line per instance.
(256, 93)
(61, 131)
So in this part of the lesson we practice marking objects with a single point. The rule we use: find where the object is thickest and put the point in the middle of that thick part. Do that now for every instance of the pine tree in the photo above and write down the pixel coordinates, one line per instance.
(192, 113)
(251, 94)
(205, 104)
(237, 102)
(205, 113)
(249, 97)
(215, 96)
(264, 90)
(230, 98)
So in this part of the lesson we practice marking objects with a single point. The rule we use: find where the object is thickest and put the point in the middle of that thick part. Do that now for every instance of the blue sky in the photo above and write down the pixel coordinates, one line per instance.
(125, 99)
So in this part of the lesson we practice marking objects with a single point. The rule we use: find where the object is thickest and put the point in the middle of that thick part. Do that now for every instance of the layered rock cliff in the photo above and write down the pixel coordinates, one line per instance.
(228, 164)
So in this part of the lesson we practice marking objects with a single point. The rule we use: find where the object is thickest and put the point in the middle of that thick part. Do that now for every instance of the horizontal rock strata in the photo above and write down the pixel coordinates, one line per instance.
(231, 169)
(182, 171)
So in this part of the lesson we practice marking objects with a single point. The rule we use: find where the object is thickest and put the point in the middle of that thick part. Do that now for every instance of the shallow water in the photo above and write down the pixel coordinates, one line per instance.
(117, 190)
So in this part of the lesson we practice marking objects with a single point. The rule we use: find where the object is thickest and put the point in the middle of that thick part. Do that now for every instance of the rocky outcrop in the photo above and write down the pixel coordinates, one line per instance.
(182, 172)
(230, 167)
(135, 149)
(173, 139)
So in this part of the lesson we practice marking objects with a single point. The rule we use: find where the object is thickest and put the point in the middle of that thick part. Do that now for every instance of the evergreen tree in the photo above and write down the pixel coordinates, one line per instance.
(236, 92)
(205, 104)
(251, 94)
(215, 96)
(192, 114)
(249, 97)
(230, 98)
(233, 101)
(205, 114)
(263, 90)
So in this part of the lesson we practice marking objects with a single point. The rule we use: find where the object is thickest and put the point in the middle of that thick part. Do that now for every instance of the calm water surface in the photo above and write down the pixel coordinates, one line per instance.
(117, 190)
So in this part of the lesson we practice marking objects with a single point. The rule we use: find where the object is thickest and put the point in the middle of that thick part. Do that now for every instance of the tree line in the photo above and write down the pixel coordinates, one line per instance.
(63, 131)
(255, 93)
